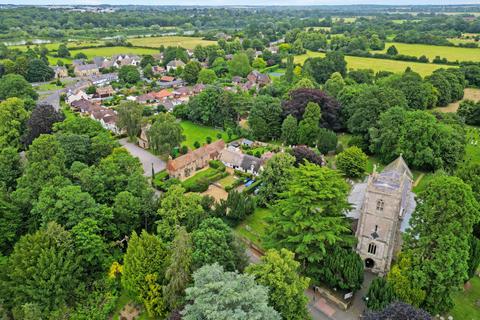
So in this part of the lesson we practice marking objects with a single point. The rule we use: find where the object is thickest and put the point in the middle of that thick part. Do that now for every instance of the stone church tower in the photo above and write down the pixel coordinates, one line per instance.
(384, 206)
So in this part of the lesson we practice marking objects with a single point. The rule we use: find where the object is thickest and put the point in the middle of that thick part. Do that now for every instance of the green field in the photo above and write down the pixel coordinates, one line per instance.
(174, 41)
(110, 51)
(377, 64)
(54, 45)
(472, 150)
(253, 227)
(466, 307)
(195, 132)
(451, 53)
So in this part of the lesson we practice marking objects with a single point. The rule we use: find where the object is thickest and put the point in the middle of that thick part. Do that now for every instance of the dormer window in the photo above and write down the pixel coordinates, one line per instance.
(380, 204)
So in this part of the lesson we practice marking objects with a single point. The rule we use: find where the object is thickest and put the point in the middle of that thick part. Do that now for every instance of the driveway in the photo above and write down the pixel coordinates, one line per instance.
(146, 158)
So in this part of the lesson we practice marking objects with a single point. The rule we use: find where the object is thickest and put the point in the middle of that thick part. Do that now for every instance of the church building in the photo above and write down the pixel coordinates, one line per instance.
(383, 205)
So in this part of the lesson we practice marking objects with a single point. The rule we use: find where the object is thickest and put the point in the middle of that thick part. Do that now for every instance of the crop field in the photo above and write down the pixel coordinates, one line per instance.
(470, 94)
(156, 42)
(378, 64)
(451, 53)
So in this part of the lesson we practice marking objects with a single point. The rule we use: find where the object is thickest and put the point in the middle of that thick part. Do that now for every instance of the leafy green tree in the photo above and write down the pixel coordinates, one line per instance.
(308, 127)
(274, 176)
(236, 207)
(327, 140)
(147, 71)
(265, 118)
(320, 69)
(62, 51)
(76, 147)
(178, 209)
(90, 246)
(165, 134)
(392, 51)
(259, 63)
(179, 271)
(191, 71)
(425, 142)
(10, 168)
(474, 256)
(213, 243)
(239, 65)
(207, 76)
(289, 130)
(279, 272)
(10, 223)
(380, 294)
(43, 269)
(335, 84)
(440, 258)
(13, 118)
(66, 205)
(45, 163)
(146, 255)
(147, 59)
(289, 75)
(152, 297)
(309, 215)
(127, 211)
(130, 118)
(217, 295)
(341, 268)
(41, 121)
(469, 172)
(470, 112)
(129, 74)
(38, 71)
(365, 108)
(352, 162)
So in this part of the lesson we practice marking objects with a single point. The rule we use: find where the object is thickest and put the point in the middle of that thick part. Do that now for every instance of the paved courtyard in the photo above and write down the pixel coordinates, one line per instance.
(146, 158)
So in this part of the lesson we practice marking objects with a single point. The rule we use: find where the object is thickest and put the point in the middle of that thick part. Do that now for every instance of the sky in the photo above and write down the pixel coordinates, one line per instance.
(238, 2)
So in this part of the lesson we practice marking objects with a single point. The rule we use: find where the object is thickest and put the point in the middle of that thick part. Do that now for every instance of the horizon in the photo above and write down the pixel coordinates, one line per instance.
(223, 3)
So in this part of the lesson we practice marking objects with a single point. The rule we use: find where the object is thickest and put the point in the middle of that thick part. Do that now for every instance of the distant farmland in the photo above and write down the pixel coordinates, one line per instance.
(156, 42)
(378, 64)
(451, 53)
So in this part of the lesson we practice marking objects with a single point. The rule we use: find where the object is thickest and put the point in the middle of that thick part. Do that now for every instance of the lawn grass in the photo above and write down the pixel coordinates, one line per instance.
(451, 53)
(195, 132)
(174, 41)
(254, 226)
(110, 51)
(378, 64)
(48, 87)
(466, 302)
(472, 150)
(227, 181)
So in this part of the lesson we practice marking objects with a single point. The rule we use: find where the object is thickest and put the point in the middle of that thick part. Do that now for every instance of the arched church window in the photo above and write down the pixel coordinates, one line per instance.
(372, 248)
(380, 204)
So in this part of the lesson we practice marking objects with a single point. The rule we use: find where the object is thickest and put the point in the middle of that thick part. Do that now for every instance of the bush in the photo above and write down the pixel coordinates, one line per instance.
(353, 162)
(217, 164)
(380, 294)
(201, 181)
(327, 140)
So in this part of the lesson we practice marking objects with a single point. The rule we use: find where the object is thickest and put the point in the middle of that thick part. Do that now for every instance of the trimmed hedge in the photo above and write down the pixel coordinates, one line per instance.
(201, 181)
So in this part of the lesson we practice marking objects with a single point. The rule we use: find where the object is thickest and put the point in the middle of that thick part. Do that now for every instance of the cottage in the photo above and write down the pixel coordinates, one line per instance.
(60, 72)
(80, 95)
(78, 62)
(158, 70)
(162, 95)
(174, 64)
(107, 118)
(182, 92)
(98, 61)
(86, 70)
(104, 92)
(258, 78)
(186, 165)
(199, 87)
(104, 79)
(85, 107)
(145, 98)
(240, 161)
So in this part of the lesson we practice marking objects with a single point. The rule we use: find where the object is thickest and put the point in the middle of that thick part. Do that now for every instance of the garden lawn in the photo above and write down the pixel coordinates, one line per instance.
(173, 41)
(377, 64)
(451, 53)
(466, 302)
(110, 51)
(254, 226)
(472, 150)
(48, 87)
(195, 132)
(227, 181)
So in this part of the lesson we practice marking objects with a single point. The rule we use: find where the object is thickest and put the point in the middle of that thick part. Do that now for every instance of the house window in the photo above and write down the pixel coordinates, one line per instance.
(380, 205)
(372, 248)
